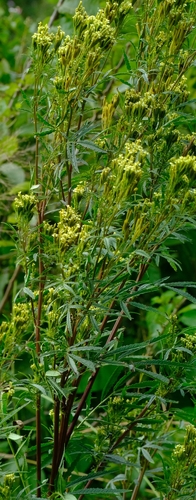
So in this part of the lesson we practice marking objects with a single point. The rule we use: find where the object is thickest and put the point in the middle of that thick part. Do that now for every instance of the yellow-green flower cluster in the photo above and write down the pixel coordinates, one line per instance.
(80, 19)
(116, 408)
(99, 32)
(179, 451)
(186, 452)
(45, 44)
(137, 105)
(24, 205)
(10, 332)
(126, 171)
(189, 341)
(79, 191)
(69, 51)
(140, 106)
(6, 490)
(68, 228)
(42, 38)
(80, 55)
(60, 34)
(117, 11)
(181, 170)
(179, 91)
(21, 315)
(42, 41)
(108, 110)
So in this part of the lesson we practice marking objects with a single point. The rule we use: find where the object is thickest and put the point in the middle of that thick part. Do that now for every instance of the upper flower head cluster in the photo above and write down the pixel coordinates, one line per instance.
(43, 41)
(24, 205)
(68, 228)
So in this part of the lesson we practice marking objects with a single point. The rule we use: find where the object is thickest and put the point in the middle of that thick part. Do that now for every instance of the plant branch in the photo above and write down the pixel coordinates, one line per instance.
(120, 439)
(113, 332)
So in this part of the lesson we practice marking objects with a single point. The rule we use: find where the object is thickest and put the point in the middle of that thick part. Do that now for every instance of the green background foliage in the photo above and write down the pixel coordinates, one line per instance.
(125, 248)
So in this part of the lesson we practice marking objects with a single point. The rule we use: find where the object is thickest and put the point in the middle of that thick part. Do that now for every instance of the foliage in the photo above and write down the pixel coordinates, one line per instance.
(98, 350)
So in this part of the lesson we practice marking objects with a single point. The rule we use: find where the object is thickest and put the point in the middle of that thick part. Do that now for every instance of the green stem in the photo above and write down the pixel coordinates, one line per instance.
(38, 348)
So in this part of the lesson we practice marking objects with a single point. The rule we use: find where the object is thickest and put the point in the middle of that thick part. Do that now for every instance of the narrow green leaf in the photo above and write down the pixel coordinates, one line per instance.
(181, 292)
(139, 305)
(14, 437)
(29, 292)
(127, 61)
(45, 121)
(157, 376)
(125, 310)
(39, 387)
(72, 365)
(16, 410)
(116, 459)
(101, 491)
(147, 455)
(91, 145)
(52, 373)
(142, 253)
(144, 74)
(69, 326)
(58, 389)
(46, 132)
(86, 362)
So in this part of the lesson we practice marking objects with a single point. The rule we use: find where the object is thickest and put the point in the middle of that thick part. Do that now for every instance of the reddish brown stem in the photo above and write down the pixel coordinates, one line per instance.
(66, 432)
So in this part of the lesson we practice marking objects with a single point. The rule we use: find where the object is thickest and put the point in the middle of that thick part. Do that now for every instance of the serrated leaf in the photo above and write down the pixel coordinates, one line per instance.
(86, 362)
(45, 121)
(184, 349)
(157, 376)
(180, 292)
(91, 145)
(94, 323)
(142, 253)
(58, 389)
(125, 310)
(46, 132)
(101, 491)
(116, 459)
(147, 308)
(146, 455)
(28, 292)
(72, 365)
